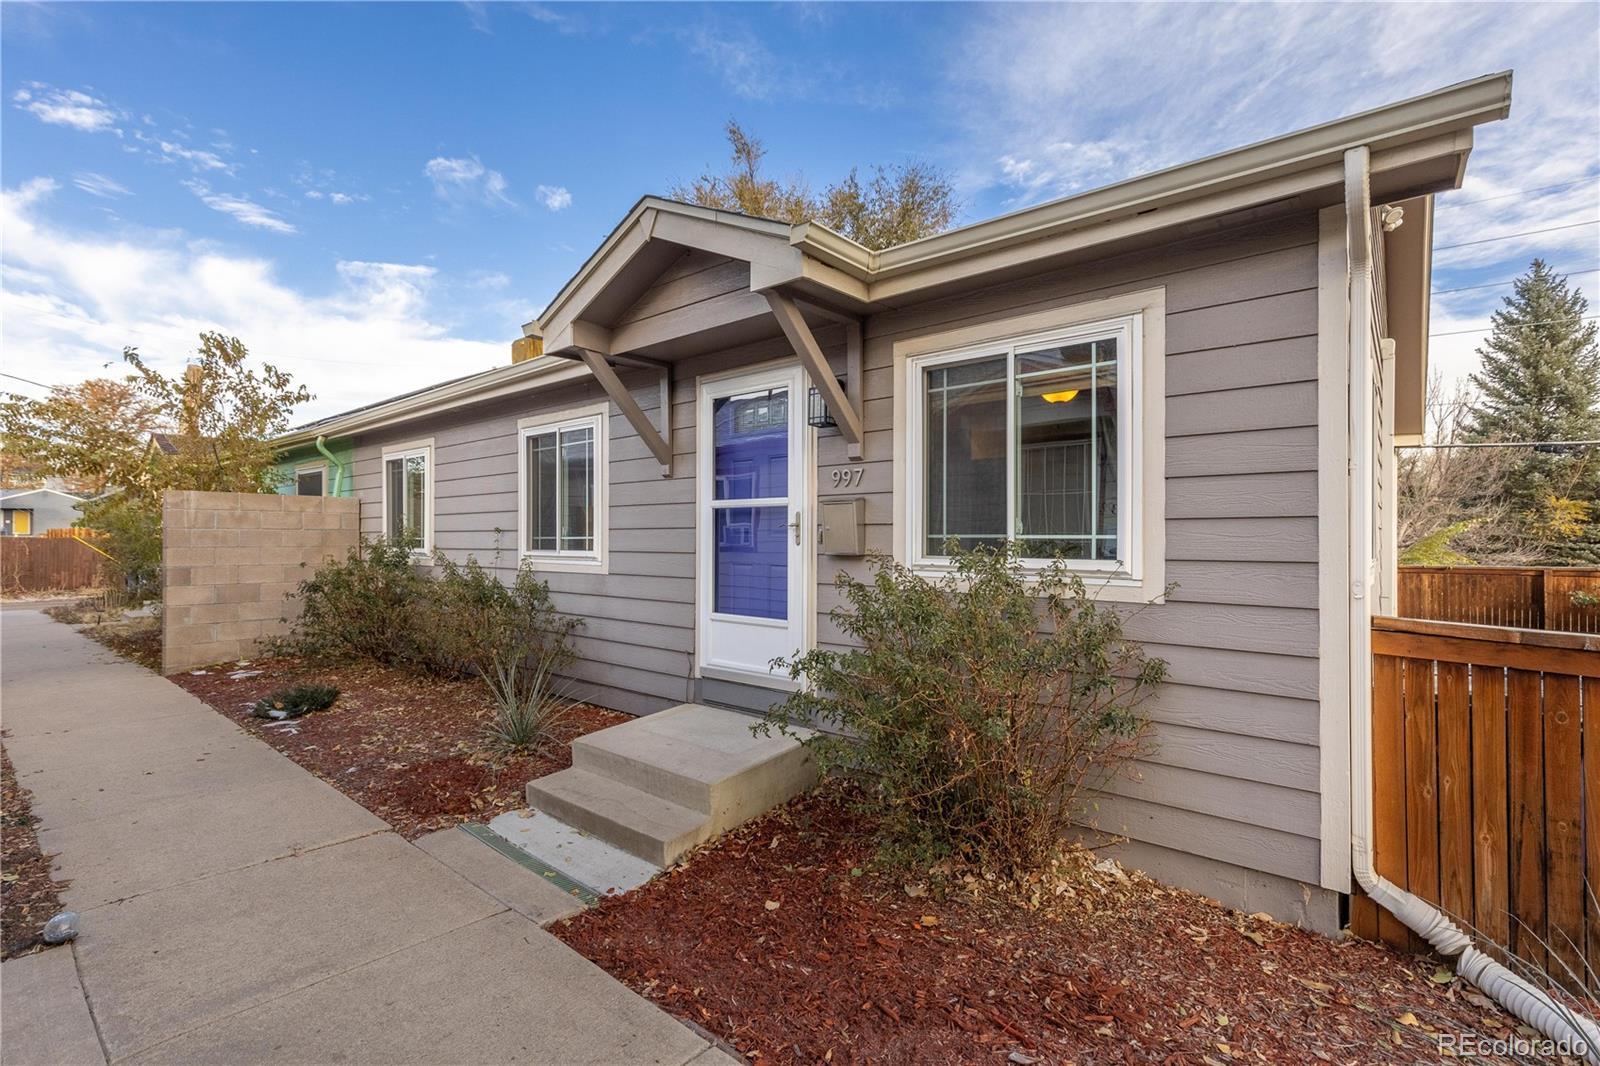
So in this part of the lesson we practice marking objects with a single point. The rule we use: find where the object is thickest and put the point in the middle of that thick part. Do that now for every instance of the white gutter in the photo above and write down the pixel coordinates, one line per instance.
(1573, 1033)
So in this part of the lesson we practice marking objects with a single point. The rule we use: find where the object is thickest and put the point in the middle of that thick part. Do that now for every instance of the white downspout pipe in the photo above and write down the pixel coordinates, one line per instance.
(1573, 1032)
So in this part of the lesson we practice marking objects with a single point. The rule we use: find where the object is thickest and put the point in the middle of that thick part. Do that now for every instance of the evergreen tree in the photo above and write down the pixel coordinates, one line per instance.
(1540, 381)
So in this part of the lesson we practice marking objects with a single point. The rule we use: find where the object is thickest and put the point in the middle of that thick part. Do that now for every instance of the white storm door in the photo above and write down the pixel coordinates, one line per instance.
(752, 488)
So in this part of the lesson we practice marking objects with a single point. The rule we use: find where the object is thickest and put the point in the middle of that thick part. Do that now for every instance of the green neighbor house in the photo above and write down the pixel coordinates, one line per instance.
(319, 468)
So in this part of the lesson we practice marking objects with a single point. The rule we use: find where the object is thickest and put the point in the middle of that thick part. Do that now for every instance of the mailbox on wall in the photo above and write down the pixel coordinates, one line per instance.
(844, 526)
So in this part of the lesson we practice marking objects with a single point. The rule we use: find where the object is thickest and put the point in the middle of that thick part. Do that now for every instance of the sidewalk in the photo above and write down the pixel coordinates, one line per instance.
(234, 908)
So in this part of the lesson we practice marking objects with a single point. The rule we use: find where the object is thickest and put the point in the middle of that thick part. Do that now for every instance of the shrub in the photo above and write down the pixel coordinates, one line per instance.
(377, 606)
(468, 622)
(132, 539)
(296, 700)
(529, 704)
(978, 707)
(360, 608)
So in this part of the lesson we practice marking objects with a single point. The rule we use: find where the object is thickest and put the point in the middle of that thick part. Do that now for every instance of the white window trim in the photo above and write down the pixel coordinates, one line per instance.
(596, 416)
(1142, 406)
(307, 468)
(423, 448)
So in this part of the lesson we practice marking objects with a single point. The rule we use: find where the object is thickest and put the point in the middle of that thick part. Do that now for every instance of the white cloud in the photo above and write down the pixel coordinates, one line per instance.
(71, 301)
(99, 185)
(339, 198)
(742, 60)
(1052, 100)
(560, 21)
(477, 15)
(241, 210)
(734, 51)
(198, 158)
(67, 107)
(466, 178)
(323, 184)
(554, 197)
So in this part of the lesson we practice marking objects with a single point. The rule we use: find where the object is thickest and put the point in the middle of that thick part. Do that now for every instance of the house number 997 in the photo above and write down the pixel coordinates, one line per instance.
(846, 477)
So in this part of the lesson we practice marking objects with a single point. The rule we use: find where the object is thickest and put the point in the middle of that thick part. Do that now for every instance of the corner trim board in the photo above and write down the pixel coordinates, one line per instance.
(1333, 588)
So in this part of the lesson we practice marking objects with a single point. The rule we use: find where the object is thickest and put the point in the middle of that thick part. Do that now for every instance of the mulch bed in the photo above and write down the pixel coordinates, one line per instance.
(783, 939)
(29, 895)
(408, 748)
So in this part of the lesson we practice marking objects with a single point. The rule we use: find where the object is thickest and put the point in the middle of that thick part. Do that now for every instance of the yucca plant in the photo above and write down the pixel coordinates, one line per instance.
(530, 703)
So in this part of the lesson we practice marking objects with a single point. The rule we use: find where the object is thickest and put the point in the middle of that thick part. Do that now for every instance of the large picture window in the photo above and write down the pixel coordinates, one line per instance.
(408, 496)
(1028, 439)
(563, 465)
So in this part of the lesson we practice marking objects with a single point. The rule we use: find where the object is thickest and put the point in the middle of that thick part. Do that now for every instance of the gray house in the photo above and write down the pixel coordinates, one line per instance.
(1194, 378)
(34, 512)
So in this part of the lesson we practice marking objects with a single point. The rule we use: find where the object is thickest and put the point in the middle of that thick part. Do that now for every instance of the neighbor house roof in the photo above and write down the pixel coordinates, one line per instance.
(9, 498)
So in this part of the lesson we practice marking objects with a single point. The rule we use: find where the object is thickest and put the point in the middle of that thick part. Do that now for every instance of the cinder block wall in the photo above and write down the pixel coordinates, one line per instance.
(230, 558)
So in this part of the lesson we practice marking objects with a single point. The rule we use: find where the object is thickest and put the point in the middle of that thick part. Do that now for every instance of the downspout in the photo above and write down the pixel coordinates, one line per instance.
(1573, 1032)
(338, 467)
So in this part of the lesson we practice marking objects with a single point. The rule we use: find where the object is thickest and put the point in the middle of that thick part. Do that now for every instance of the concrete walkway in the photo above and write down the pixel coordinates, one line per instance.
(237, 909)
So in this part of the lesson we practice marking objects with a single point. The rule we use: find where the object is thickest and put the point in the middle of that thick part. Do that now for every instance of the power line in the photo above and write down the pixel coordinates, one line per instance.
(1508, 236)
(1508, 281)
(1486, 329)
(1511, 444)
(1521, 192)
(30, 381)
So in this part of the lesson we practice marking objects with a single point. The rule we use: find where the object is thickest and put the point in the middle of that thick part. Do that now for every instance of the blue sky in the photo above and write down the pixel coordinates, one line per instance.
(376, 196)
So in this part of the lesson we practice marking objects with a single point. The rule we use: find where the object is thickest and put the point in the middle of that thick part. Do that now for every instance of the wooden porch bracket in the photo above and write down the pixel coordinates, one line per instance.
(845, 408)
(660, 445)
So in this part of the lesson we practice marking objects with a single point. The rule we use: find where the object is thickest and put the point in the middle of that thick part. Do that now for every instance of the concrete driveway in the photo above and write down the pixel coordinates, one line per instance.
(237, 909)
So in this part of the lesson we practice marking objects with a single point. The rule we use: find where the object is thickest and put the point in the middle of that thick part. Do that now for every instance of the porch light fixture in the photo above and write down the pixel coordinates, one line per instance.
(817, 413)
(1064, 396)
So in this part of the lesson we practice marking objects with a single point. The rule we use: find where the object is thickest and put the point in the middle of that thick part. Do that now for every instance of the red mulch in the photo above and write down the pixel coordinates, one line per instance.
(408, 748)
(29, 895)
(781, 939)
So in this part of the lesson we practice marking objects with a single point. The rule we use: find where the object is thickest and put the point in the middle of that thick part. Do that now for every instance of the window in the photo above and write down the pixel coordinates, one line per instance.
(562, 463)
(310, 480)
(408, 495)
(1044, 431)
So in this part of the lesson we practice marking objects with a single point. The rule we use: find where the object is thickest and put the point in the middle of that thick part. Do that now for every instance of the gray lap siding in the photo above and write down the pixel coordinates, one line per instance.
(1234, 778)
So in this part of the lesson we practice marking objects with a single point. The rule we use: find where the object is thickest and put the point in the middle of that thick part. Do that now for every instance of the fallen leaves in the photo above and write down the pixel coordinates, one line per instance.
(408, 748)
(29, 893)
(849, 968)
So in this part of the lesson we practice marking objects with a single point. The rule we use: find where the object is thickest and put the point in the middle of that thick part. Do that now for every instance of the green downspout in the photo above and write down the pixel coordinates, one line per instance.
(338, 467)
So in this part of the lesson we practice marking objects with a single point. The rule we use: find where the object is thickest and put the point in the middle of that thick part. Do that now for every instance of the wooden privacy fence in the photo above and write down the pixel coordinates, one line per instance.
(43, 564)
(1520, 597)
(1486, 781)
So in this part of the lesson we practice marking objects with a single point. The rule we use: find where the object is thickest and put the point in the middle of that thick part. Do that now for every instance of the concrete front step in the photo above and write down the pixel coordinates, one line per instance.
(703, 758)
(662, 783)
(639, 823)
